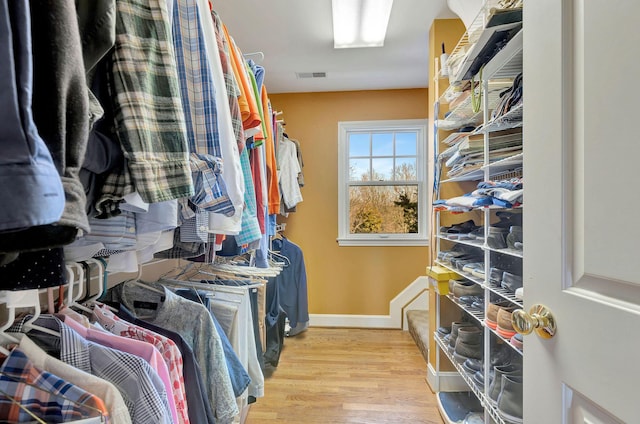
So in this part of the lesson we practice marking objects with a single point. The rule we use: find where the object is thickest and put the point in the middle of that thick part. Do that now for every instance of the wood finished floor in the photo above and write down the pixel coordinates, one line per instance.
(329, 375)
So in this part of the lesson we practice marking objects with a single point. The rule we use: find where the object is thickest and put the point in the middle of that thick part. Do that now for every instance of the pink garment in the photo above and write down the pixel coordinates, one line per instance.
(144, 350)
(167, 347)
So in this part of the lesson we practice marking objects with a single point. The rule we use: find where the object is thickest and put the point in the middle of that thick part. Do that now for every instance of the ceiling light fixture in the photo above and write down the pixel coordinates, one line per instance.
(360, 23)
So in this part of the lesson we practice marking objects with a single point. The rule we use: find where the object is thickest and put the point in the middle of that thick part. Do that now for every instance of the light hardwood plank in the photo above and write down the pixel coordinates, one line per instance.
(345, 376)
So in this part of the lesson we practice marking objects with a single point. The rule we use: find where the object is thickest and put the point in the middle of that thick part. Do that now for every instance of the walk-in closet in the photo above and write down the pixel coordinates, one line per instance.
(318, 212)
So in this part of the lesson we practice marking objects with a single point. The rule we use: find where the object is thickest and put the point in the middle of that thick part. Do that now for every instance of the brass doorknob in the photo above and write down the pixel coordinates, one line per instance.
(539, 319)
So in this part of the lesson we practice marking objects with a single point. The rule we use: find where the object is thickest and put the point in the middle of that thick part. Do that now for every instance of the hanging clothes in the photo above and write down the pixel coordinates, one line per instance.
(106, 391)
(197, 399)
(292, 283)
(29, 391)
(140, 386)
(159, 306)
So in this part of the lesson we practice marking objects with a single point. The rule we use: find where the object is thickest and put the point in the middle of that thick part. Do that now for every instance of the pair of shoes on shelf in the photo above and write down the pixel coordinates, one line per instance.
(468, 344)
(507, 280)
(497, 237)
(505, 392)
(473, 302)
(443, 331)
(465, 288)
(491, 318)
(511, 282)
(477, 234)
(508, 219)
(459, 262)
(474, 268)
(453, 336)
(517, 341)
(471, 365)
(514, 238)
(460, 228)
(504, 326)
(469, 300)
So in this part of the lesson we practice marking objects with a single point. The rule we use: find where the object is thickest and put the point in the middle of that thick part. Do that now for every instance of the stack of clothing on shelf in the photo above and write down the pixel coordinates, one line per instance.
(501, 194)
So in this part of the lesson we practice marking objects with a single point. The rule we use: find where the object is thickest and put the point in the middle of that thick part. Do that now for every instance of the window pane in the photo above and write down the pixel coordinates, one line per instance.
(406, 169)
(382, 144)
(382, 169)
(383, 210)
(359, 170)
(359, 144)
(406, 143)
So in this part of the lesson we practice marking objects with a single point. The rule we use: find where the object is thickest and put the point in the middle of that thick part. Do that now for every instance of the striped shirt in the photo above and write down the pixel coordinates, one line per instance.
(167, 348)
(195, 79)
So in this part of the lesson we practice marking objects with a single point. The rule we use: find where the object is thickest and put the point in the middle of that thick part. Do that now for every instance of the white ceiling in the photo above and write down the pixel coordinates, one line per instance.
(297, 36)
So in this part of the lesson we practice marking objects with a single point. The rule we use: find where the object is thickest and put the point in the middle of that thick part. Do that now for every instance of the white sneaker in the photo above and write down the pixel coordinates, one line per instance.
(520, 293)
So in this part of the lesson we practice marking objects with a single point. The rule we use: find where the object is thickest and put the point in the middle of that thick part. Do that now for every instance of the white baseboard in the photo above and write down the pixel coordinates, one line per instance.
(358, 321)
(398, 306)
(450, 381)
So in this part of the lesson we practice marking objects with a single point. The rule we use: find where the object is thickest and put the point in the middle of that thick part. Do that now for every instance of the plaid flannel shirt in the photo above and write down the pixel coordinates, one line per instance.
(148, 112)
(45, 395)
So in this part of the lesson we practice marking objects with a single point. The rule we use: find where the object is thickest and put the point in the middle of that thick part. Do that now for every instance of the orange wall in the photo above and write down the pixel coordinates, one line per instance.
(344, 280)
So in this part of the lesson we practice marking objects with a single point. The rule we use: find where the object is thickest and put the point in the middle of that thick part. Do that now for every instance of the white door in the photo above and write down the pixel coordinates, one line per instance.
(582, 214)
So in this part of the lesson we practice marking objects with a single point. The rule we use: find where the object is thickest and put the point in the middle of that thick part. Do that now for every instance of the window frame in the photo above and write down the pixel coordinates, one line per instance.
(345, 238)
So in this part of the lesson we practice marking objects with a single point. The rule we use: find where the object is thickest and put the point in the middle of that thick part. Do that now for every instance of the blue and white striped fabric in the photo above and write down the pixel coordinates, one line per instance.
(115, 233)
(250, 231)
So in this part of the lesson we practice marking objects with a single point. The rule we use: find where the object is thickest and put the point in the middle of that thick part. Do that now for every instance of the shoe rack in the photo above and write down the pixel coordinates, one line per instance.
(485, 242)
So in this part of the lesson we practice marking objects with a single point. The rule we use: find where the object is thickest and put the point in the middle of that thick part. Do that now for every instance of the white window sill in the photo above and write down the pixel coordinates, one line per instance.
(372, 242)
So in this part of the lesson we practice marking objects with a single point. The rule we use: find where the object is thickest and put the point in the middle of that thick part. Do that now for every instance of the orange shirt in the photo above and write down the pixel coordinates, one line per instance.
(270, 153)
(246, 101)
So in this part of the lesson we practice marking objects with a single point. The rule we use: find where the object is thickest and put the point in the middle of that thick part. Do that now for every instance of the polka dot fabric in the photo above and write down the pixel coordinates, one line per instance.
(34, 270)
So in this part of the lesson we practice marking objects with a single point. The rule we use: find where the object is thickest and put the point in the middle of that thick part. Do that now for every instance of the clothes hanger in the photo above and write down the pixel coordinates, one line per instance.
(101, 282)
(84, 278)
(30, 324)
(22, 299)
(21, 406)
(90, 410)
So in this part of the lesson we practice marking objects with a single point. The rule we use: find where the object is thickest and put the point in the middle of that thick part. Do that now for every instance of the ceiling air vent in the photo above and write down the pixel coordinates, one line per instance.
(311, 74)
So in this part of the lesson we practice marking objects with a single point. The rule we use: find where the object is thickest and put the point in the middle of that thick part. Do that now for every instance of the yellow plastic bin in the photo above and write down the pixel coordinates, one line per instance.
(439, 277)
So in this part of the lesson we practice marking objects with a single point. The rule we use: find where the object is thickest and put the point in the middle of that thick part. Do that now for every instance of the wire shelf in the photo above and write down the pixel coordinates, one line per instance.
(493, 412)
(505, 294)
(464, 114)
(505, 340)
(508, 174)
(475, 175)
(505, 164)
(507, 63)
(507, 251)
(461, 273)
(472, 243)
(511, 119)
(471, 36)
(475, 314)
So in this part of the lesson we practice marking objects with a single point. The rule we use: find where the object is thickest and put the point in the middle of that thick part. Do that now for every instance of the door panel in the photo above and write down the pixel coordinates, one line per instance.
(581, 411)
(581, 254)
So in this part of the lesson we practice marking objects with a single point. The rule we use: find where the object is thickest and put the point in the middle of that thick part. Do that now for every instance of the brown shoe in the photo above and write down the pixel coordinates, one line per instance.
(492, 313)
(504, 327)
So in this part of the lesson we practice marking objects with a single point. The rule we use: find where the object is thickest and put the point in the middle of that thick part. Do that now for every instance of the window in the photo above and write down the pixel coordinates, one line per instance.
(382, 183)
